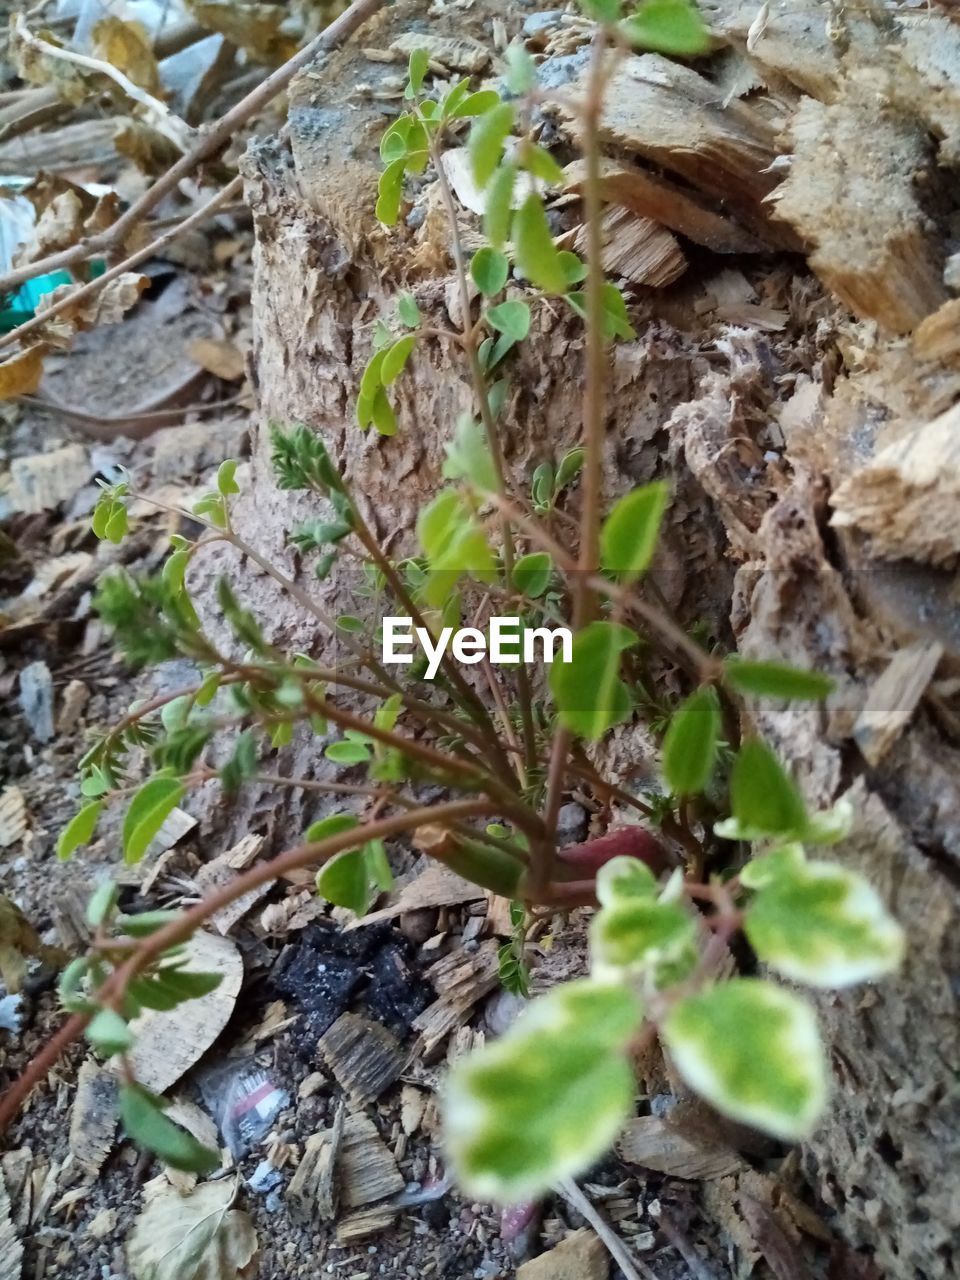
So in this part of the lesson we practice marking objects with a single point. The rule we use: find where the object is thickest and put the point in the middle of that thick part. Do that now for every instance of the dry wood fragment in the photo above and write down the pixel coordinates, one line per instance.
(74, 698)
(464, 55)
(654, 1143)
(363, 1057)
(907, 499)
(413, 1103)
(313, 1190)
(437, 886)
(460, 979)
(11, 1250)
(366, 1167)
(894, 698)
(580, 1256)
(167, 1047)
(657, 198)
(850, 192)
(365, 1223)
(637, 249)
(938, 337)
(93, 1119)
(224, 869)
(13, 816)
(44, 480)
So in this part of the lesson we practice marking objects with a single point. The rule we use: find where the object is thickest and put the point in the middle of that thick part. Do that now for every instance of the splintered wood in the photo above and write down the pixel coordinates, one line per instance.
(461, 979)
(654, 1143)
(363, 1057)
(93, 1120)
(894, 698)
(637, 249)
(907, 499)
(347, 1166)
(224, 869)
(314, 1190)
(11, 1250)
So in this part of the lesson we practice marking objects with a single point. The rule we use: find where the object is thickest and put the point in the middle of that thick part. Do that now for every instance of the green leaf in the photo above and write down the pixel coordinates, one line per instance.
(469, 458)
(417, 69)
(394, 359)
(454, 544)
(69, 987)
(188, 986)
(764, 798)
(770, 866)
(225, 477)
(347, 752)
(541, 164)
(531, 574)
(475, 104)
(545, 1100)
(331, 826)
(102, 902)
(588, 691)
(497, 208)
(574, 268)
(614, 319)
(601, 10)
(343, 881)
(690, 744)
(622, 879)
(667, 26)
(407, 310)
(630, 532)
(108, 1033)
(511, 318)
(485, 144)
(489, 269)
(378, 865)
(571, 464)
(521, 74)
(389, 192)
(394, 143)
(775, 680)
(79, 830)
(382, 414)
(754, 1052)
(148, 810)
(213, 507)
(144, 1121)
(536, 255)
(818, 923)
(145, 923)
(639, 936)
(117, 525)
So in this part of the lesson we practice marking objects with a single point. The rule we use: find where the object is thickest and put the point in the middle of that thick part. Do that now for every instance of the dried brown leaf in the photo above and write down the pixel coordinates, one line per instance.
(126, 46)
(254, 27)
(20, 376)
(107, 306)
(191, 1237)
(218, 357)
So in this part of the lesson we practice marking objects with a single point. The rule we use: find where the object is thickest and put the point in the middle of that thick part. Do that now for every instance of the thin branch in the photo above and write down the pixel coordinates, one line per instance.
(71, 299)
(177, 931)
(210, 143)
(632, 1268)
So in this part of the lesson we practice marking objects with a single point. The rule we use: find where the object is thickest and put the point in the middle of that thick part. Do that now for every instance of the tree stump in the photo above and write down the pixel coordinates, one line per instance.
(753, 391)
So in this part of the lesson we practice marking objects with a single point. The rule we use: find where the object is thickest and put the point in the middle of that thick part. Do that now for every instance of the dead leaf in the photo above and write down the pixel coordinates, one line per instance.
(167, 1047)
(59, 226)
(36, 67)
(254, 27)
(20, 376)
(218, 357)
(107, 306)
(18, 940)
(126, 46)
(191, 1237)
(149, 150)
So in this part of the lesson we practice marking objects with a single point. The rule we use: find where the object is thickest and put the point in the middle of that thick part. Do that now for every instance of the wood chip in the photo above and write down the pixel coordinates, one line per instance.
(637, 249)
(13, 816)
(93, 1119)
(313, 1191)
(225, 868)
(365, 1223)
(654, 1143)
(907, 499)
(74, 698)
(11, 1250)
(437, 886)
(580, 1256)
(413, 1103)
(657, 198)
(42, 481)
(894, 698)
(219, 357)
(366, 1168)
(461, 979)
(459, 55)
(102, 1224)
(167, 1047)
(363, 1057)
(938, 336)
(459, 170)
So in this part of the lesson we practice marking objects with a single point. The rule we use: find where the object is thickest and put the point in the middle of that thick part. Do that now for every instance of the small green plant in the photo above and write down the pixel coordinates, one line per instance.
(549, 1097)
